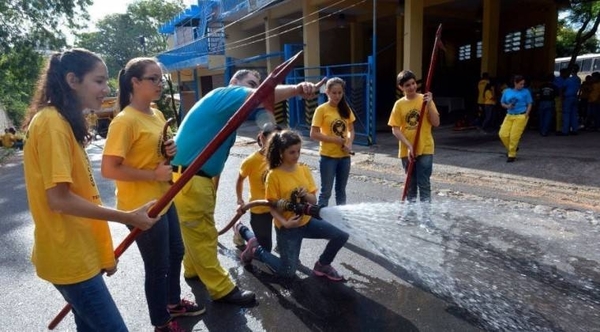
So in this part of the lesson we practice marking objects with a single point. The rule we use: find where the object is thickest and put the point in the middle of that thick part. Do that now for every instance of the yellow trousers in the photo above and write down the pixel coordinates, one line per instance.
(510, 132)
(196, 207)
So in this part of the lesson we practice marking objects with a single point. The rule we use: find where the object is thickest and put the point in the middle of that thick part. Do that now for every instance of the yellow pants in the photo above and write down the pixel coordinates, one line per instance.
(510, 132)
(196, 207)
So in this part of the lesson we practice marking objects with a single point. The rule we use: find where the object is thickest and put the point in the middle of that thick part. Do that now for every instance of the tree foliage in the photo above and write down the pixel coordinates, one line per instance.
(584, 16)
(565, 41)
(117, 37)
(28, 27)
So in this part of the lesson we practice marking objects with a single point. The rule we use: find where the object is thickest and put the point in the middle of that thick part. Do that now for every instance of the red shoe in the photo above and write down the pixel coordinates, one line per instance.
(327, 271)
(186, 308)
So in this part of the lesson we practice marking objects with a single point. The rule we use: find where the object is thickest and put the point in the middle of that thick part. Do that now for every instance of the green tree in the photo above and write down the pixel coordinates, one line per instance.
(565, 40)
(118, 36)
(28, 28)
(584, 17)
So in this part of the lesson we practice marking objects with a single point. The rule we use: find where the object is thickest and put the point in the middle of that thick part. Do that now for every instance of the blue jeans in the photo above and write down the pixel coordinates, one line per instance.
(546, 110)
(489, 113)
(289, 241)
(93, 306)
(262, 225)
(162, 250)
(331, 169)
(570, 116)
(419, 178)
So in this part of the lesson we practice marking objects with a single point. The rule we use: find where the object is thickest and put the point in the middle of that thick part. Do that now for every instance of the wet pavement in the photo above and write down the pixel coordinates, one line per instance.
(513, 247)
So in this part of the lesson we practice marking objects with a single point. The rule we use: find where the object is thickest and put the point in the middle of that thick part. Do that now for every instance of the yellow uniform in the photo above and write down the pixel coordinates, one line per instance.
(8, 140)
(133, 136)
(92, 119)
(254, 167)
(67, 249)
(282, 184)
(328, 119)
(405, 115)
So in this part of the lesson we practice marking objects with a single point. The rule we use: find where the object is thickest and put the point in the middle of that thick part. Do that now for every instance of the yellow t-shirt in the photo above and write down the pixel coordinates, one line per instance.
(8, 140)
(92, 119)
(328, 119)
(405, 115)
(137, 138)
(281, 184)
(255, 168)
(67, 249)
(594, 96)
(481, 90)
(489, 98)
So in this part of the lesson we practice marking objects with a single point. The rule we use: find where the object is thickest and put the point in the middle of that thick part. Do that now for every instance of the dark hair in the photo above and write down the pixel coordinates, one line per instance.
(343, 107)
(136, 67)
(53, 90)
(518, 78)
(279, 142)
(404, 76)
(267, 129)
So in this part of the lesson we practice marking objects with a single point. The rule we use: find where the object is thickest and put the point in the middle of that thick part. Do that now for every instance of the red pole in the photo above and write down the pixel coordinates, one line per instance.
(262, 92)
(432, 62)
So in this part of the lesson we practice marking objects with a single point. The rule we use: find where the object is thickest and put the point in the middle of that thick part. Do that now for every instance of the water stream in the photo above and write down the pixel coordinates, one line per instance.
(508, 267)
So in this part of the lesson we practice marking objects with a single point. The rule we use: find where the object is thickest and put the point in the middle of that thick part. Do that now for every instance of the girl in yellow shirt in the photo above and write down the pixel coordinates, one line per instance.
(333, 126)
(292, 181)
(133, 157)
(254, 167)
(72, 242)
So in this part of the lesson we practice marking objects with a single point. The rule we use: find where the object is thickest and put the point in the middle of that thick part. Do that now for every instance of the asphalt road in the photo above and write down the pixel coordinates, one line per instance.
(495, 259)
(375, 298)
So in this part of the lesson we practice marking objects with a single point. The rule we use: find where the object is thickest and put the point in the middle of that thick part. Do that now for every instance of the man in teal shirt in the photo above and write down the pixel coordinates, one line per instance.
(196, 201)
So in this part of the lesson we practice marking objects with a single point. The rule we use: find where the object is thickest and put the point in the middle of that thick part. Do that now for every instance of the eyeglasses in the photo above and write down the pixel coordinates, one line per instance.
(155, 80)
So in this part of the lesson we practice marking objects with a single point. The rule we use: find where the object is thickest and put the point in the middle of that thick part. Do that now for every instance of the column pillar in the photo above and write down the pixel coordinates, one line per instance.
(413, 36)
(490, 38)
(272, 43)
(311, 38)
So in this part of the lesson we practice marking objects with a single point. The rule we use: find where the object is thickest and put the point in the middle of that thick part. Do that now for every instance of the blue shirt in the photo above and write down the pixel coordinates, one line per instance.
(572, 85)
(202, 123)
(519, 98)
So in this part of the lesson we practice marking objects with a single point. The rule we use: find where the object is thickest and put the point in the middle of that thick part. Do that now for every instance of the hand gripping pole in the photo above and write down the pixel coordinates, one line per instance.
(411, 161)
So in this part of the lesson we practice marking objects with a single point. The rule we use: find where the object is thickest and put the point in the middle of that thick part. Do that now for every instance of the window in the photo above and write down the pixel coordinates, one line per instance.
(464, 52)
(512, 42)
(586, 65)
(596, 65)
(534, 37)
(479, 49)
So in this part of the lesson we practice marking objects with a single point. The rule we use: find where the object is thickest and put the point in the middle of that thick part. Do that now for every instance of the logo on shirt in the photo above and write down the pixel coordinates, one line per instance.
(338, 127)
(412, 118)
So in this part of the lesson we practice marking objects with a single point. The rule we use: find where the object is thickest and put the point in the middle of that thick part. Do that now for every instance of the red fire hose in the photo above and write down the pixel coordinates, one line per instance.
(242, 211)
(263, 92)
(411, 161)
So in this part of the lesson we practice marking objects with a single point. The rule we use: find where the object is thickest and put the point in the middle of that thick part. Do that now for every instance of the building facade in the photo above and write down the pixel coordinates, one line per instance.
(366, 42)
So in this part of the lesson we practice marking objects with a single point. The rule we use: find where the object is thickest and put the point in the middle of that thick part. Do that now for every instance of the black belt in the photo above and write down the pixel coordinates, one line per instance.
(181, 169)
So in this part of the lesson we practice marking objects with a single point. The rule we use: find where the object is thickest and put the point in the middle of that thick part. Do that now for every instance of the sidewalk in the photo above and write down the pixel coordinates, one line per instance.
(567, 159)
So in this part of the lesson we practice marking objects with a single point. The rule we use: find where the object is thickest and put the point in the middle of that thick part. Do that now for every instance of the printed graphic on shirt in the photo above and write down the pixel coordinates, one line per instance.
(90, 173)
(338, 127)
(412, 118)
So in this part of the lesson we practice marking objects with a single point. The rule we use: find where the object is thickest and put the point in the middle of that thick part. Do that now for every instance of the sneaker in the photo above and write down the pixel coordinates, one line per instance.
(238, 241)
(186, 308)
(248, 254)
(171, 327)
(327, 271)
